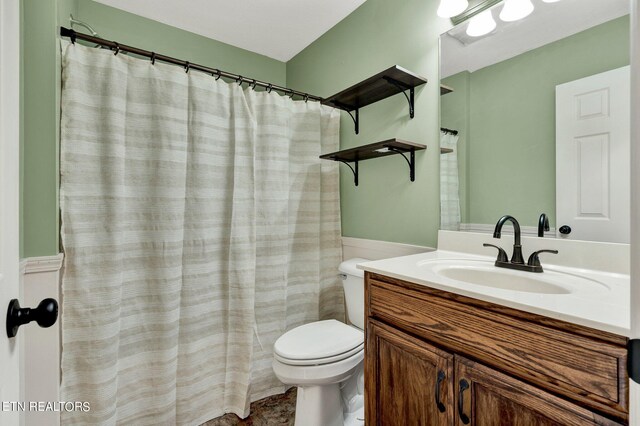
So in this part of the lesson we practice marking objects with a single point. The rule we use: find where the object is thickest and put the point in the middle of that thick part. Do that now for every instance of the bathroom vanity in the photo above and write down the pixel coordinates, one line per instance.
(445, 352)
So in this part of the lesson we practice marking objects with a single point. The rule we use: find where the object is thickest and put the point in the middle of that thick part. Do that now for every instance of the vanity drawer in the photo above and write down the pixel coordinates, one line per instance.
(589, 371)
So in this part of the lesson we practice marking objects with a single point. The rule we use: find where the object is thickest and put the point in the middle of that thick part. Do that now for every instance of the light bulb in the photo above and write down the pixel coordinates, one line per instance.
(481, 24)
(514, 10)
(450, 8)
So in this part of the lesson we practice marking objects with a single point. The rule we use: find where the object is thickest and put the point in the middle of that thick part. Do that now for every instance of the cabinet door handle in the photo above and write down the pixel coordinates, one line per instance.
(439, 404)
(464, 385)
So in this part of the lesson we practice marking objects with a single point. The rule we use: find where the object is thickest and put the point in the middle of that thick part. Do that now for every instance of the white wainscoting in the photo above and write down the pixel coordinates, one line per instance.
(40, 278)
(487, 228)
(376, 250)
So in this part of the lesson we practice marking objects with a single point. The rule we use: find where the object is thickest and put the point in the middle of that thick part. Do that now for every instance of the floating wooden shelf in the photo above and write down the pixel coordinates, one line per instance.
(444, 89)
(446, 150)
(376, 150)
(381, 86)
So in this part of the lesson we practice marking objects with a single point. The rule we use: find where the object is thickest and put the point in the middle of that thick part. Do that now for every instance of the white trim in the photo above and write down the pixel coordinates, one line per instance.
(34, 265)
(40, 278)
(376, 249)
(487, 228)
(634, 388)
(11, 351)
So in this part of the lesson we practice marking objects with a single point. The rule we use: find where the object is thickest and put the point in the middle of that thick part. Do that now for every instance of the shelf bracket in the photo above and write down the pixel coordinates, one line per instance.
(355, 171)
(404, 87)
(633, 360)
(348, 109)
(411, 161)
(356, 119)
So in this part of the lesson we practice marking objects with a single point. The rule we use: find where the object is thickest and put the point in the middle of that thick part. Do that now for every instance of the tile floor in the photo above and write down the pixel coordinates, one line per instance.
(274, 410)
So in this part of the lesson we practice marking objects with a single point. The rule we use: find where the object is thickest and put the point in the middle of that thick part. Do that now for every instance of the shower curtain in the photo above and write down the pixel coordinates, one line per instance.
(449, 185)
(198, 225)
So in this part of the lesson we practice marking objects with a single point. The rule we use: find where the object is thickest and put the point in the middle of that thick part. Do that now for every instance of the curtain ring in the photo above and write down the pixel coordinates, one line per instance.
(153, 58)
(73, 37)
(253, 84)
(293, 93)
(269, 88)
(306, 98)
(187, 67)
(239, 80)
(218, 75)
(117, 48)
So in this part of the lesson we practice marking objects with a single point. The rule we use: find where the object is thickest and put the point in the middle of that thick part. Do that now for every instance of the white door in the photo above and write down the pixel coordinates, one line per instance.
(634, 393)
(592, 157)
(10, 389)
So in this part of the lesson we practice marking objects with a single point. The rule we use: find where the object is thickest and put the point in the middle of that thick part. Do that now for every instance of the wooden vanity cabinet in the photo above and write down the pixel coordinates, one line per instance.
(412, 379)
(435, 358)
(486, 397)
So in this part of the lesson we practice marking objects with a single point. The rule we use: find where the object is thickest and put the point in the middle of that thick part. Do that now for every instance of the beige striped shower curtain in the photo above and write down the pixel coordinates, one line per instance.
(198, 225)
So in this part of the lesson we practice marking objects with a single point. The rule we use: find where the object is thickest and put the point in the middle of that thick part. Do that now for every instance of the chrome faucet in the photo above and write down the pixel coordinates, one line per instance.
(517, 261)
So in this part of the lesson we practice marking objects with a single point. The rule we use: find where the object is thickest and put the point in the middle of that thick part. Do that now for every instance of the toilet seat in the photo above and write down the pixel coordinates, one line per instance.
(318, 343)
(320, 361)
(317, 375)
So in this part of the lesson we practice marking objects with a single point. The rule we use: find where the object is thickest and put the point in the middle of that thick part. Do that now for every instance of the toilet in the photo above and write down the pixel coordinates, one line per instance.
(324, 360)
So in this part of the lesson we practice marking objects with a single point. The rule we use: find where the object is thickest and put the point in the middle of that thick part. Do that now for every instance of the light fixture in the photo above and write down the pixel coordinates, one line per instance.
(450, 8)
(481, 24)
(514, 10)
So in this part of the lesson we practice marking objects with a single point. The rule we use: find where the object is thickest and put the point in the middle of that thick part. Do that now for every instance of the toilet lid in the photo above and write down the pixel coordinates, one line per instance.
(321, 339)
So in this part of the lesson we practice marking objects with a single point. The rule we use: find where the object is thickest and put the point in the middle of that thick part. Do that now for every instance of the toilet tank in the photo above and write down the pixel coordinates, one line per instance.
(353, 284)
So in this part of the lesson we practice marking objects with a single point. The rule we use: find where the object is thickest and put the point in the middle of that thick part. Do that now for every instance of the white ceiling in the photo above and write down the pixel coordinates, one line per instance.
(279, 29)
(549, 22)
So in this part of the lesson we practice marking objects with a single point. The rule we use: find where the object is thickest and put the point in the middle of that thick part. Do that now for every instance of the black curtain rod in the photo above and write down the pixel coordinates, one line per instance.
(117, 47)
(453, 132)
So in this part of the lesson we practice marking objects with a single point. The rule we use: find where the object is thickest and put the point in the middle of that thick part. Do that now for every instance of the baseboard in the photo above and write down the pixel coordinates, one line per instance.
(33, 265)
(487, 228)
(376, 249)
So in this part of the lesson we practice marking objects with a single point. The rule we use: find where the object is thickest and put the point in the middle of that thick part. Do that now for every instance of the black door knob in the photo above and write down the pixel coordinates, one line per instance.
(45, 315)
(565, 229)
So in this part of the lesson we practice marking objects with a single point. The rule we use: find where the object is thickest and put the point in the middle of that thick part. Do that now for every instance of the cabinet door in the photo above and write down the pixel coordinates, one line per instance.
(407, 381)
(487, 397)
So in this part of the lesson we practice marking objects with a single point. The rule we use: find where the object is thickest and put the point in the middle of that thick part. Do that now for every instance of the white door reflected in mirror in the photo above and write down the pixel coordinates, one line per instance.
(592, 157)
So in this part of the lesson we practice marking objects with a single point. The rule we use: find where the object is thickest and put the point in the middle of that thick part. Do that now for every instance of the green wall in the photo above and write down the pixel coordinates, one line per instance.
(379, 34)
(39, 222)
(41, 93)
(454, 115)
(511, 116)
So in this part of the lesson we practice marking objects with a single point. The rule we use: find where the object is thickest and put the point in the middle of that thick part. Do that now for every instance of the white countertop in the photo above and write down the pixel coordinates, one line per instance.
(603, 305)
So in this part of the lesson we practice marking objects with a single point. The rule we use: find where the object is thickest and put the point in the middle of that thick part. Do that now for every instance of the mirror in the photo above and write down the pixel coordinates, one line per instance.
(535, 119)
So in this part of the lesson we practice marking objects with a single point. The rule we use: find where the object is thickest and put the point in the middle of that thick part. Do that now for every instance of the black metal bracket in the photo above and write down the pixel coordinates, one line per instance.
(411, 161)
(404, 87)
(356, 120)
(633, 360)
(355, 171)
(348, 109)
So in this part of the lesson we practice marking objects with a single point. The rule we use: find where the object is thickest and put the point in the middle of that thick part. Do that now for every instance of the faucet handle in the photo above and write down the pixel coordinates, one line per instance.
(502, 255)
(534, 260)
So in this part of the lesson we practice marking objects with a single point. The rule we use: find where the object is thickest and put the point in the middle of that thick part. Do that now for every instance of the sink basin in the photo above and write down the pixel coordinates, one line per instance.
(485, 274)
(499, 279)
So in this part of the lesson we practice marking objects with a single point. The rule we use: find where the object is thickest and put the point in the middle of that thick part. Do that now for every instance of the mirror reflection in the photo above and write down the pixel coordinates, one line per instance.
(537, 121)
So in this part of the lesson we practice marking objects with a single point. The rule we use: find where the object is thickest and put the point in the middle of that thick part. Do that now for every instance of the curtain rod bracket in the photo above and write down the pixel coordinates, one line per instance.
(73, 21)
